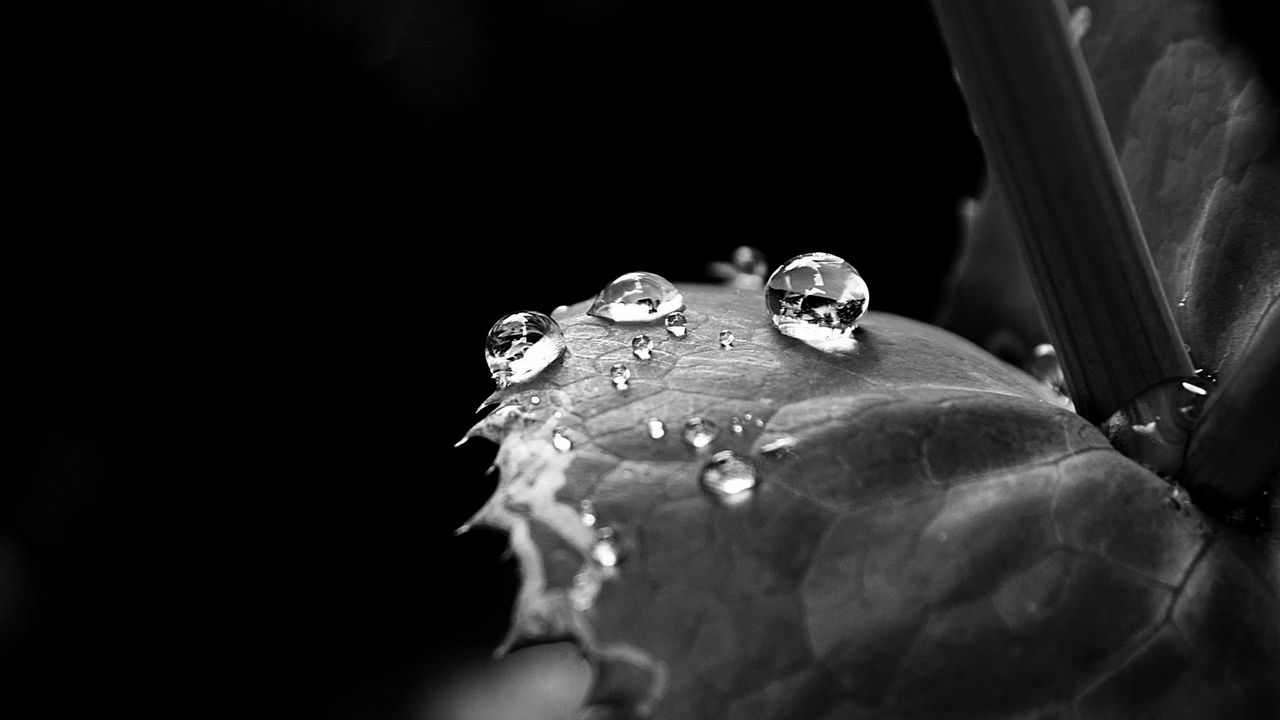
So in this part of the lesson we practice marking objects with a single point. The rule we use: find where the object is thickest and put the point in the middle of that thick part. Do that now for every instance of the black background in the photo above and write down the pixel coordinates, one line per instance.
(267, 242)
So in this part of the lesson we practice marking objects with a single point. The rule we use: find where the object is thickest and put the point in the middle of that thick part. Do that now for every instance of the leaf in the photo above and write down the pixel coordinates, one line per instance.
(940, 540)
(1193, 131)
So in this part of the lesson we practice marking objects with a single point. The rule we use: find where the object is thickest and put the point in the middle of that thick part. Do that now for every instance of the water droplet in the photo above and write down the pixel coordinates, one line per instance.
(726, 339)
(620, 375)
(637, 297)
(656, 429)
(816, 297)
(534, 400)
(642, 347)
(1179, 498)
(584, 590)
(735, 425)
(560, 439)
(728, 474)
(587, 512)
(1154, 427)
(699, 432)
(606, 550)
(1045, 367)
(779, 447)
(675, 323)
(520, 345)
(751, 418)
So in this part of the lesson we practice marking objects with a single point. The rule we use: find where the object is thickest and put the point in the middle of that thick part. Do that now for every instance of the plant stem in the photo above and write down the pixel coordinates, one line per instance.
(1235, 445)
(1034, 107)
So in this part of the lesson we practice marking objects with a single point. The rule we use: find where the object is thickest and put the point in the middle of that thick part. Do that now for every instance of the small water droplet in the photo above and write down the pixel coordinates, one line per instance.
(520, 345)
(637, 297)
(606, 550)
(642, 347)
(1045, 366)
(816, 298)
(534, 400)
(560, 439)
(735, 425)
(675, 323)
(751, 418)
(584, 590)
(620, 375)
(1179, 498)
(726, 339)
(587, 512)
(1154, 427)
(656, 429)
(728, 474)
(699, 432)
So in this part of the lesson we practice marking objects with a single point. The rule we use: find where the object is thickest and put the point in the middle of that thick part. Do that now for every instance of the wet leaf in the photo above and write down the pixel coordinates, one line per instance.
(1192, 127)
(938, 539)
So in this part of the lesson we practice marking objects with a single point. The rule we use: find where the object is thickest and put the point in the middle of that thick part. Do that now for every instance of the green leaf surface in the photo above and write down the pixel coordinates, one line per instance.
(1192, 128)
(940, 540)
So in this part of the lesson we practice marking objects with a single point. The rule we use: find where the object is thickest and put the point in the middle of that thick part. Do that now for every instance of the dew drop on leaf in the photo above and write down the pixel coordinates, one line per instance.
(637, 297)
(620, 375)
(816, 297)
(1155, 426)
(699, 432)
(520, 345)
(728, 474)
(657, 430)
(675, 323)
(606, 549)
(642, 347)
(560, 440)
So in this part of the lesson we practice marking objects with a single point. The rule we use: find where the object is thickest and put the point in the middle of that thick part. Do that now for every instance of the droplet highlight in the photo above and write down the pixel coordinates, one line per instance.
(726, 339)
(816, 298)
(560, 440)
(521, 345)
(587, 511)
(657, 430)
(620, 376)
(1154, 428)
(1045, 366)
(642, 347)
(699, 432)
(676, 323)
(735, 425)
(637, 297)
(727, 474)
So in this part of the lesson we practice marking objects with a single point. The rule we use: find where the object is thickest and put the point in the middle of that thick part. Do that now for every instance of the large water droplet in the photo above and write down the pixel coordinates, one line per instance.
(1154, 427)
(727, 474)
(699, 432)
(520, 345)
(657, 430)
(675, 323)
(642, 347)
(816, 297)
(620, 375)
(606, 550)
(637, 297)
(560, 440)
(1045, 367)
(726, 339)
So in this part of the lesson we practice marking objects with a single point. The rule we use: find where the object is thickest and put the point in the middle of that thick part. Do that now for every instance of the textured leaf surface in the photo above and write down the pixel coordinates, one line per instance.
(1193, 130)
(941, 540)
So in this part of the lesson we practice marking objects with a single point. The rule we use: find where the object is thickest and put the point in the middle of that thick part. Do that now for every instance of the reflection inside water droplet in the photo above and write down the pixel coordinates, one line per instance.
(620, 375)
(675, 323)
(727, 474)
(656, 428)
(1154, 428)
(587, 512)
(726, 339)
(735, 425)
(520, 345)
(699, 432)
(560, 439)
(642, 347)
(816, 297)
(637, 297)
